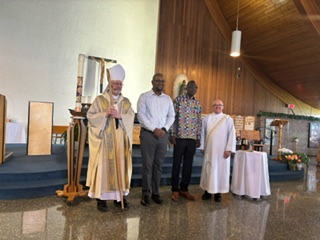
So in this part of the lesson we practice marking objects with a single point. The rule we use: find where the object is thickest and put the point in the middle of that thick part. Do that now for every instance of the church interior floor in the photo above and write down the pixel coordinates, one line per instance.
(292, 211)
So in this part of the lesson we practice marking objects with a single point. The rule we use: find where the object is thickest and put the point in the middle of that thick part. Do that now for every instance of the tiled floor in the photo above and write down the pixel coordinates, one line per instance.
(291, 212)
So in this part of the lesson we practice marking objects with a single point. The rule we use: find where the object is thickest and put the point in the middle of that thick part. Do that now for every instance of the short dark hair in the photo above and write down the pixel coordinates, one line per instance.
(191, 81)
(157, 75)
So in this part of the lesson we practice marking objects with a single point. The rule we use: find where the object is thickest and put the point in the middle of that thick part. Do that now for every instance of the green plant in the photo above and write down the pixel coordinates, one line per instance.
(290, 116)
(65, 134)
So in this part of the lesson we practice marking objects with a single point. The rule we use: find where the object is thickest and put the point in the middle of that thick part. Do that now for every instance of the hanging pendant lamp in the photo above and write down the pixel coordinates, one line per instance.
(235, 43)
(236, 38)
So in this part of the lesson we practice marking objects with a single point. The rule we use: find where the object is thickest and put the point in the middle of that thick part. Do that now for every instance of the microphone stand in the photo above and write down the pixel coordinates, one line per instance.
(271, 136)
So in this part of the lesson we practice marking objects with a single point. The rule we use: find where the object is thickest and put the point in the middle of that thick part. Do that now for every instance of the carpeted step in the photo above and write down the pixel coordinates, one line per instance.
(166, 168)
(33, 189)
(286, 175)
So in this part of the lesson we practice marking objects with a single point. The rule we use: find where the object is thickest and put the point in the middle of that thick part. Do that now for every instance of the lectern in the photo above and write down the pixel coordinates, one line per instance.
(3, 115)
(279, 123)
(73, 188)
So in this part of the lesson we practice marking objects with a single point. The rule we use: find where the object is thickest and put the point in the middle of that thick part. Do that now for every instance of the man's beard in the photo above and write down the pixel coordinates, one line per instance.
(159, 89)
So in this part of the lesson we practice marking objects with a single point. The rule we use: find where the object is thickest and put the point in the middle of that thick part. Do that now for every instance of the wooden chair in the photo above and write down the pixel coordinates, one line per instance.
(58, 133)
(253, 135)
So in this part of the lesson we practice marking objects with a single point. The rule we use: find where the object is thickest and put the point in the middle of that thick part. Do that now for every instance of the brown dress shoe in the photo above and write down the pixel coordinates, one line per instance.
(187, 195)
(175, 196)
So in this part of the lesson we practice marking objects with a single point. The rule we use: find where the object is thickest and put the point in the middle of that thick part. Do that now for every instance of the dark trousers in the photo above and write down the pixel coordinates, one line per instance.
(153, 151)
(184, 149)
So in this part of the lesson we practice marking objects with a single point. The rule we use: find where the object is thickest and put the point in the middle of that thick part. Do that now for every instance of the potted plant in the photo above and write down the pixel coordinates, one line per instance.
(294, 159)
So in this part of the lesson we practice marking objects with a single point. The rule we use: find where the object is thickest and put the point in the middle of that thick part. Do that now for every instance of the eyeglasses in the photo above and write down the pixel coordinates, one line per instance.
(192, 87)
(117, 84)
(217, 105)
(159, 81)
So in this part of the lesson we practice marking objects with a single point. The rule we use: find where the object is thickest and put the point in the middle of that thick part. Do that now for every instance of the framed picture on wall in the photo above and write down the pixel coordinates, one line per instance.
(314, 134)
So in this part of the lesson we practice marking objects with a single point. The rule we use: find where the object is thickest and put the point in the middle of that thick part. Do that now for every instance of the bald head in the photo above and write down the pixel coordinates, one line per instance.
(217, 106)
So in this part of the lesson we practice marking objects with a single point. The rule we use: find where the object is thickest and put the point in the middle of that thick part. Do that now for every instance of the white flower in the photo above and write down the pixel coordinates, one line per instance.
(285, 150)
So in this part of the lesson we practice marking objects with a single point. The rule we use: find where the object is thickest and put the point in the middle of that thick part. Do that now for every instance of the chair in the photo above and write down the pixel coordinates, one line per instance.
(58, 132)
(253, 135)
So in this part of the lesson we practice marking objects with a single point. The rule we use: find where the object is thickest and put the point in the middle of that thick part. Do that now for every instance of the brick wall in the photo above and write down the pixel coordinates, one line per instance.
(293, 129)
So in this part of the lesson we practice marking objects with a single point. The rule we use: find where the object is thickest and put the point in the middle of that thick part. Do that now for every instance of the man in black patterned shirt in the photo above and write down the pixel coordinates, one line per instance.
(185, 136)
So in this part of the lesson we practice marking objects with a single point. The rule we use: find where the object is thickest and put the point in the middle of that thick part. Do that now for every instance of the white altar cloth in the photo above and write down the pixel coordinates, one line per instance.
(250, 175)
(15, 133)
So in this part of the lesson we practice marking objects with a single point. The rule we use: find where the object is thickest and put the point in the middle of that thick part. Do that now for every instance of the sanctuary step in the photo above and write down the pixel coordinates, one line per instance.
(25, 176)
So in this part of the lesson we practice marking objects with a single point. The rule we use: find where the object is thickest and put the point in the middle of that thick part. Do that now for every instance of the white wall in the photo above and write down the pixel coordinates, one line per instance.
(40, 41)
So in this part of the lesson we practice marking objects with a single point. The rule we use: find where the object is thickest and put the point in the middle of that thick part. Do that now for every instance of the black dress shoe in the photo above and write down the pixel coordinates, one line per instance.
(217, 197)
(206, 196)
(156, 198)
(102, 205)
(125, 203)
(145, 200)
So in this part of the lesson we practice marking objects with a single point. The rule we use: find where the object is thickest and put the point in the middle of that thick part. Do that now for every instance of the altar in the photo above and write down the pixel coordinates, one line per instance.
(15, 133)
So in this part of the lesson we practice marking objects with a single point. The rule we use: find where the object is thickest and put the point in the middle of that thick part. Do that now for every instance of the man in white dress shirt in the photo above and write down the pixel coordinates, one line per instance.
(156, 115)
(218, 140)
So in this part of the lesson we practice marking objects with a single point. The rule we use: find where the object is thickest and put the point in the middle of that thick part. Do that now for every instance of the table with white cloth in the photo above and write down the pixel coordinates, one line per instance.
(250, 175)
(15, 133)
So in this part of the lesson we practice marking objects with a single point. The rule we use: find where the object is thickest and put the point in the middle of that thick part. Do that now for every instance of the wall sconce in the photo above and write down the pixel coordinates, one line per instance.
(236, 38)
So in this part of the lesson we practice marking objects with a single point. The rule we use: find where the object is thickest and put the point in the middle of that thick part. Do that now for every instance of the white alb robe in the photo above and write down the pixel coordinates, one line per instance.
(215, 173)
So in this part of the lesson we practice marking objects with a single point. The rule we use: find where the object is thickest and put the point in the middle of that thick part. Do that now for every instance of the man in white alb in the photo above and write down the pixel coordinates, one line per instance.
(218, 140)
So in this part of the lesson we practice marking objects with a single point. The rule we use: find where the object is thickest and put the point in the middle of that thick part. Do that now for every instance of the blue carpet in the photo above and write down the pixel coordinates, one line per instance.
(25, 176)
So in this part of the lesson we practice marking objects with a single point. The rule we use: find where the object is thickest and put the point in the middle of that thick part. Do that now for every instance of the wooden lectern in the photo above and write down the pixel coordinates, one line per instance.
(279, 123)
(3, 115)
(73, 188)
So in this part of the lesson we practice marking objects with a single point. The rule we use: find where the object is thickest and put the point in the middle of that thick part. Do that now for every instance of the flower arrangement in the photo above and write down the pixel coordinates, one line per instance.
(291, 157)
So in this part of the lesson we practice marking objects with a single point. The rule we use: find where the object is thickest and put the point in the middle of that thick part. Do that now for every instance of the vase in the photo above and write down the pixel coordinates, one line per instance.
(292, 166)
(299, 166)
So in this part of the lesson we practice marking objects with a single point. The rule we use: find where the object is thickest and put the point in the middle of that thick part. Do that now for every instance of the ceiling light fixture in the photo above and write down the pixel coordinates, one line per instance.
(236, 38)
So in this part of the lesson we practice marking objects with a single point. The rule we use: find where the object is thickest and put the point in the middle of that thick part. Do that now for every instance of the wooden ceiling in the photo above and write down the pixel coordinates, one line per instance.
(281, 38)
